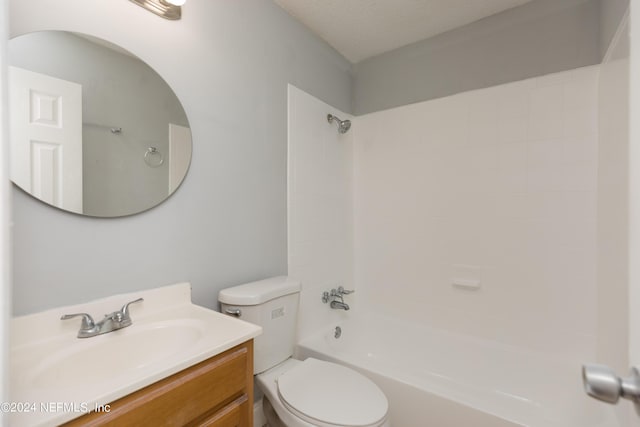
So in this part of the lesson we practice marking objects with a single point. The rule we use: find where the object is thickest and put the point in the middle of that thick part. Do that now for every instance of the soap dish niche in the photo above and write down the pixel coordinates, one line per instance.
(466, 277)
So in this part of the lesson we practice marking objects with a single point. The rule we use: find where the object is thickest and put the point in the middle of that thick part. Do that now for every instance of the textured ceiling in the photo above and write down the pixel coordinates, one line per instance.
(360, 29)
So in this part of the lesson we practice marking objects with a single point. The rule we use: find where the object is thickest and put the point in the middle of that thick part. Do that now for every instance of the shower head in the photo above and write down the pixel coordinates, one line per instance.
(343, 125)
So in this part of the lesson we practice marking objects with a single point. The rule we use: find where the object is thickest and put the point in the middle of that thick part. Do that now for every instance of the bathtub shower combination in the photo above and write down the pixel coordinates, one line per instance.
(437, 378)
(467, 226)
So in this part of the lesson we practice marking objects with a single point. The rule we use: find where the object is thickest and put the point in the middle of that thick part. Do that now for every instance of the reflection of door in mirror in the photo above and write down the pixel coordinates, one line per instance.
(179, 154)
(46, 137)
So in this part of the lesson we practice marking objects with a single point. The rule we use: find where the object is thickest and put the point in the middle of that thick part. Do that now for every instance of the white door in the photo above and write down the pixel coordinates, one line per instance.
(634, 195)
(46, 137)
(619, 314)
(179, 154)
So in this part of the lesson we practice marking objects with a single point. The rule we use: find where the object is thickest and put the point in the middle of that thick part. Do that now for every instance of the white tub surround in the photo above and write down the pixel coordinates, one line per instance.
(474, 234)
(438, 378)
(320, 207)
(62, 377)
(476, 213)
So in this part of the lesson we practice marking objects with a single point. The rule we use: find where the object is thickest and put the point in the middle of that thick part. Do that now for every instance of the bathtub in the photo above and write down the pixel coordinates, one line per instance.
(441, 379)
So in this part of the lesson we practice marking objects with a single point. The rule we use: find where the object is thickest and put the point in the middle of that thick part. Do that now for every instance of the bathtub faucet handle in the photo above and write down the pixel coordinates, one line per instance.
(325, 297)
(343, 291)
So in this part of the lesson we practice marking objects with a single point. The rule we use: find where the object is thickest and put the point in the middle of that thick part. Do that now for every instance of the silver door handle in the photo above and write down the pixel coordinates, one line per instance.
(602, 383)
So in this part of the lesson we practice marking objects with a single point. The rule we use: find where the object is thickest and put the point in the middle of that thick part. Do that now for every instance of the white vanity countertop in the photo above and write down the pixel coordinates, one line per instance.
(56, 377)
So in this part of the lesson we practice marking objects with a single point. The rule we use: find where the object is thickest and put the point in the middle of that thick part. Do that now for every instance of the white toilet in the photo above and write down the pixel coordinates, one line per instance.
(300, 393)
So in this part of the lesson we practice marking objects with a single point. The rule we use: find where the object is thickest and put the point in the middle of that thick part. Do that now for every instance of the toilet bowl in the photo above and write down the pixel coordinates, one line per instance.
(300, 393)
(322, 394)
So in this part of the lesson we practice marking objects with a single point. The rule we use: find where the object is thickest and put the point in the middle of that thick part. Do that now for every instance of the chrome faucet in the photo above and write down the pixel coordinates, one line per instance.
(339, 305)
(111, 322)
(336, 298)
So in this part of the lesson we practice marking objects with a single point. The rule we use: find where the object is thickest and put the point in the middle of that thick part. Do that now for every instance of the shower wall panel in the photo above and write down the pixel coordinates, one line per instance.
(319, 208)
(476, 213)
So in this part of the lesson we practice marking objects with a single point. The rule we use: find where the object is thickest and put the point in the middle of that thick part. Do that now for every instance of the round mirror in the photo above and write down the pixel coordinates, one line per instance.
(93, 129)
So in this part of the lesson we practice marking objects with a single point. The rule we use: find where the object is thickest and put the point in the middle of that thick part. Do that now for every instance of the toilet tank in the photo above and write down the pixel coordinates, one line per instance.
(273, 305)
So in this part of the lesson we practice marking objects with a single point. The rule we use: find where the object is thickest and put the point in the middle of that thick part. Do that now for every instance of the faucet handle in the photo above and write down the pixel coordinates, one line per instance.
(335, 293)
(125, 308)
(325, 297)
(87, 320)
(343, 291)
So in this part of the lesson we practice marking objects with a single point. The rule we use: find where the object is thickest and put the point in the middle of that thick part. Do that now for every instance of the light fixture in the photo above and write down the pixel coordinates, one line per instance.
(169, 9)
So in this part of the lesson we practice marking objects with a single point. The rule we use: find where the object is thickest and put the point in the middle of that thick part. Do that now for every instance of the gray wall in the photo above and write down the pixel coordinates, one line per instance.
(540, 37)
(611, 13)
(117, 90)
(229, 63)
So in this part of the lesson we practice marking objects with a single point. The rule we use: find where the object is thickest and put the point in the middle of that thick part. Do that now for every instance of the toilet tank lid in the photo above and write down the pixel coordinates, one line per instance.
(259, 292)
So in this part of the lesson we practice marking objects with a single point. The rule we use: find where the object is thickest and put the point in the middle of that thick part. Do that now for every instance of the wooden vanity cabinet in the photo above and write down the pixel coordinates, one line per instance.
(215, 393)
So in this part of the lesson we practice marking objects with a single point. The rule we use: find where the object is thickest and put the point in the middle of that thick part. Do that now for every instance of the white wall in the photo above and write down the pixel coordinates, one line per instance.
(613, 204)
(634, 187)
(5, 207)
(320, 207)
(226, 224)
(496, 185)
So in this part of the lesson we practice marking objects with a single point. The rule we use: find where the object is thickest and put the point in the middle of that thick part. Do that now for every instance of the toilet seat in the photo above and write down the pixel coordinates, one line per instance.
(328, 395)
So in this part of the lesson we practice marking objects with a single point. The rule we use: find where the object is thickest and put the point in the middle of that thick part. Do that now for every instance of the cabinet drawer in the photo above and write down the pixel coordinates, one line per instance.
(232, 415)
(203, 389)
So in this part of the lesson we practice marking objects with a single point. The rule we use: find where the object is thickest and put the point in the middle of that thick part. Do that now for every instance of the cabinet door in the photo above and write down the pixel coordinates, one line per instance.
(215, 392)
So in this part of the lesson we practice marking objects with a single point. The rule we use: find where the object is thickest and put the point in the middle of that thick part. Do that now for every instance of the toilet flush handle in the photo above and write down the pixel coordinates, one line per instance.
(233, 312)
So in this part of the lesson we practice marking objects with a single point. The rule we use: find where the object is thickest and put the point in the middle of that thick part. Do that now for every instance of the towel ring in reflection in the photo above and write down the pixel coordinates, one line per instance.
(153, 157)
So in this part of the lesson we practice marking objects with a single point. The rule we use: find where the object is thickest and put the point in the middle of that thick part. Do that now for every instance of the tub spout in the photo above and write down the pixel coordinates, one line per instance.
(339, 305)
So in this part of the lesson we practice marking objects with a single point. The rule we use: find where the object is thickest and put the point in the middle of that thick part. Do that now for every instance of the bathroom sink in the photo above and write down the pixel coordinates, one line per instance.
(49, 364)
(126, 349)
